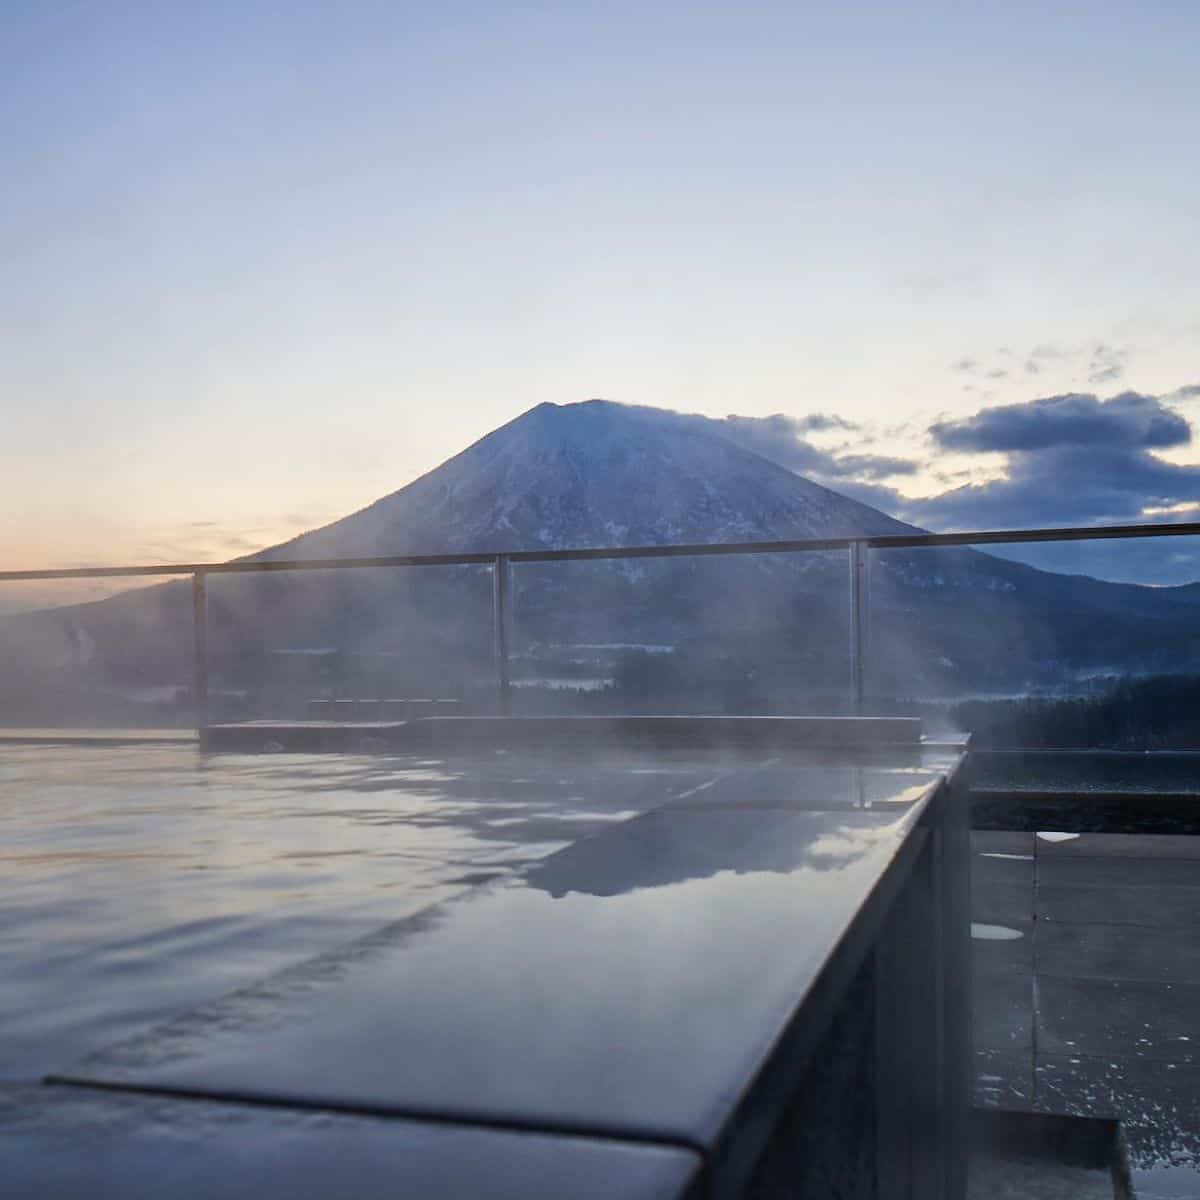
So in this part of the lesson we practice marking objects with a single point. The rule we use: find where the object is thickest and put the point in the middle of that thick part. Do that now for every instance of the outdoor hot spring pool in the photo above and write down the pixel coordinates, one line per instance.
(141, 881)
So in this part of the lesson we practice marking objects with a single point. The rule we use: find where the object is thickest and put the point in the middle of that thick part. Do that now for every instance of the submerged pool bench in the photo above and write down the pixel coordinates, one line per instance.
(757, 985)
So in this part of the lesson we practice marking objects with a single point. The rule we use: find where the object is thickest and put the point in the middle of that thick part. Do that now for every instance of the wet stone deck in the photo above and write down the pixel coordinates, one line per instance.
(1087, 988)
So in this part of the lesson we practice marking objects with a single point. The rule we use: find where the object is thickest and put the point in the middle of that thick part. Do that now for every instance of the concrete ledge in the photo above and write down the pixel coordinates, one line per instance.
(98, 737)
(860, 733)
(297, 736)
(686, 731)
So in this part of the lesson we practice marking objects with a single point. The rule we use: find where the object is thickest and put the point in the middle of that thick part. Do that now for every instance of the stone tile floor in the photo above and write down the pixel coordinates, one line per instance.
(1087, 988)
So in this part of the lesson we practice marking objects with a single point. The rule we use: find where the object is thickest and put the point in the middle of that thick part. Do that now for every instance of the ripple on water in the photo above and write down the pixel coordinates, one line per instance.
(141, 880)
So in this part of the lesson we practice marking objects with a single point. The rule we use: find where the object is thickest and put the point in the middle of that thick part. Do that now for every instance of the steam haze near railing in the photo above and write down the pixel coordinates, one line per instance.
(826, 624)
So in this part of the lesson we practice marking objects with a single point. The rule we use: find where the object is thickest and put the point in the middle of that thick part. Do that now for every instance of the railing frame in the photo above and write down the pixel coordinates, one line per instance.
(502, 620)
(501, 564)
(860, 578)
(200, 647)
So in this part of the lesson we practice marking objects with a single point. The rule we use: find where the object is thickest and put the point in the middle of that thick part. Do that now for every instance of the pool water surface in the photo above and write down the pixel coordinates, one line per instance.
(144, 880)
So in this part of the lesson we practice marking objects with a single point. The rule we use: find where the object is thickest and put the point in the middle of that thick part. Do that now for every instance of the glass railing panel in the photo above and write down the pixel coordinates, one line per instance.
(1154, 561)
(95, 653)
(350, 644)
(754, 634)
(1039, 657)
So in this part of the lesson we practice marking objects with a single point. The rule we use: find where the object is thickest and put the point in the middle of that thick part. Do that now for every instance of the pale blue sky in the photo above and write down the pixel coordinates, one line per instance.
(266, 262)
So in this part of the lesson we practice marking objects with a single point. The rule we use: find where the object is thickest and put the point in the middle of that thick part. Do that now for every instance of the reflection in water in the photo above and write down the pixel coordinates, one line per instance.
(140, 880)
(676, 845)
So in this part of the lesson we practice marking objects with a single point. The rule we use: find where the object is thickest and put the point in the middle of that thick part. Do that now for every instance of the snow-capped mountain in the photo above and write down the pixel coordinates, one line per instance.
(594, 474)
(604, 474)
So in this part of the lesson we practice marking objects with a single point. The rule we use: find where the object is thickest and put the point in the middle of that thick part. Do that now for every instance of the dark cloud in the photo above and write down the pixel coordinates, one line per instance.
(1075, 460)
(781, 425)
(877, 495)
(968, 366)
(874, 466)
(821, 422)
(781, 439)
(1064, 485)
(1188, 392)
(1075, 419)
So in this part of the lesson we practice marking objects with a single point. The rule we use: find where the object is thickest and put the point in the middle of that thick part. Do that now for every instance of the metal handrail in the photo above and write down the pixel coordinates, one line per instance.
(878, 541)
(501, 562)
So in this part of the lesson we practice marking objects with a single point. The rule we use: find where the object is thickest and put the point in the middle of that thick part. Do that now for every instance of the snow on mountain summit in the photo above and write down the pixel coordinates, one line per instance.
(595, 473)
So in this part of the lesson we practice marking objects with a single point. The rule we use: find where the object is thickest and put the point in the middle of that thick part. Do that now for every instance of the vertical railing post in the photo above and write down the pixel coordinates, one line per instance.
(858, 623)
(501, 606)
(200, 647)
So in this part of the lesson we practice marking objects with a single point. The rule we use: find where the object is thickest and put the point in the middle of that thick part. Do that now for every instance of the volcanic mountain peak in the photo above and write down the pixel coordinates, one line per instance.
(594, 474)
(603, 474)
